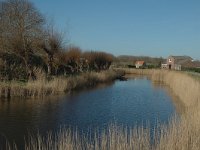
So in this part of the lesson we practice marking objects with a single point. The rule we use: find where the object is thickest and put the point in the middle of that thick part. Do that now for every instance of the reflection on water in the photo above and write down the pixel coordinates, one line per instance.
(179, 106)
(133, 102)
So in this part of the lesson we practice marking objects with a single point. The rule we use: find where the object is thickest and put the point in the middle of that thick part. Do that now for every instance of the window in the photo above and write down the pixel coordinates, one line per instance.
(170, 60)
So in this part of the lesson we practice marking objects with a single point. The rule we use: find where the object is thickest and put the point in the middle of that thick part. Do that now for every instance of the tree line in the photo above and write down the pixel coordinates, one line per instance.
(28, 42)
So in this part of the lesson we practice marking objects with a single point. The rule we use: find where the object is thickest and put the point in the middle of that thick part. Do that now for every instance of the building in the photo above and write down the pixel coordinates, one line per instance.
(191, 64)
(140, 64)
(176, 62)
(164, 66)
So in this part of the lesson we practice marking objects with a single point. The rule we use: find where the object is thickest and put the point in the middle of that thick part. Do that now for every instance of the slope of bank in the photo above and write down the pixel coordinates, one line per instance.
(183, 85)
(57, 85)
(185, 133)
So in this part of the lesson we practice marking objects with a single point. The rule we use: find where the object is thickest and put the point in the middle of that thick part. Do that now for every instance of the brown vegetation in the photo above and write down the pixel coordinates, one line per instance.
(21, 29)
(27, 44)
(34, 61)
(42, 87)
(180, 134)
(27, 50)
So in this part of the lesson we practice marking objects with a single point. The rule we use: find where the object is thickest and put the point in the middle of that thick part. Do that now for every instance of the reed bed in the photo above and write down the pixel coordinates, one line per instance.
(115, 138)
(180, 134)
(186, 87)
(57, 85)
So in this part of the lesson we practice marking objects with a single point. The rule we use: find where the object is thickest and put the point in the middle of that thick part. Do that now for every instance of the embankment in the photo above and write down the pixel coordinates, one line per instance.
(57, 85)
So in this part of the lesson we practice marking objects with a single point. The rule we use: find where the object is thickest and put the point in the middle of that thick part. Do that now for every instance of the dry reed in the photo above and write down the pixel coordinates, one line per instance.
(180, 134)
(41, 87)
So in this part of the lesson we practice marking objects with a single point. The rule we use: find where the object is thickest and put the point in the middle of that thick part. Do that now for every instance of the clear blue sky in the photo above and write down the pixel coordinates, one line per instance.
(132, 27)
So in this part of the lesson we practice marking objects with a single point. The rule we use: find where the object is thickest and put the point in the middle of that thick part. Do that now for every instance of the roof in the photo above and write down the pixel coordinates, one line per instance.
(139, 62)
(181, 59)
(192, 64)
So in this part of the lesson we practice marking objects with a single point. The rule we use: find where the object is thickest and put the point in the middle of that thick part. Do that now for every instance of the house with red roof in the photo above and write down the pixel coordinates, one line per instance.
(140, 64)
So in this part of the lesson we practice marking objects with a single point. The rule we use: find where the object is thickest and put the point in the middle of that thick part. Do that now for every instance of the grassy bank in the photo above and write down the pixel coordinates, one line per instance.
(180, 134)
(183, 85)
(186, 133)
(57, 85)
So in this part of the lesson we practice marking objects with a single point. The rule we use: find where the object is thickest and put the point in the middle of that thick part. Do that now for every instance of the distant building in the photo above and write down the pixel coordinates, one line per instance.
(140, 64)
(176, 62)
(164, 66)
(191, 64)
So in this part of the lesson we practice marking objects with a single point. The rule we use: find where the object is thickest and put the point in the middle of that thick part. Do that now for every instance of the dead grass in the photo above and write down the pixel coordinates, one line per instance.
(183, 85)
(115, 138)
(58, 85)
(180, 134)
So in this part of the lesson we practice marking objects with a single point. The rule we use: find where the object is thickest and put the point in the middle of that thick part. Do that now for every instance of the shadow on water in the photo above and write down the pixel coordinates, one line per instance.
(128, 103)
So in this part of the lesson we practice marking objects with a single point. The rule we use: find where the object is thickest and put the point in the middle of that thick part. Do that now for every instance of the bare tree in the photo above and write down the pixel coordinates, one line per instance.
(98, 60)
(72, 57)
(21, 28)
(52, 45)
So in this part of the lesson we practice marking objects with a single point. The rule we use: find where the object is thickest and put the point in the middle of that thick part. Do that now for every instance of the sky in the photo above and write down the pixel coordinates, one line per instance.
(128, 27)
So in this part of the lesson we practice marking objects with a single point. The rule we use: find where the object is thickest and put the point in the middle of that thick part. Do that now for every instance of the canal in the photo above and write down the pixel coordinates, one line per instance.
(135, 102)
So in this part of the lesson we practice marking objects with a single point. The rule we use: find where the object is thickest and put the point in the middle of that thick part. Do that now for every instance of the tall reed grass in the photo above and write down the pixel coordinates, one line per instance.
(42, 87)
(186, 87)
(180, 134)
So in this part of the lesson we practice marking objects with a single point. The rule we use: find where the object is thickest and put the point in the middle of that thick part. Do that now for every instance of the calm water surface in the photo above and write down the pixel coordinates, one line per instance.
(130, 103)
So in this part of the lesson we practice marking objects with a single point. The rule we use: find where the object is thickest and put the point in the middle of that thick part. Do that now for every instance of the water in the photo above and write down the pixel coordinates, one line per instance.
(129, 103)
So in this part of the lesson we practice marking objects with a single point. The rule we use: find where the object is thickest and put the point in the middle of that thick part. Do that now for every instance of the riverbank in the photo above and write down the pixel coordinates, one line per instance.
(57, 85)
(183, 85)
(182, 133)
